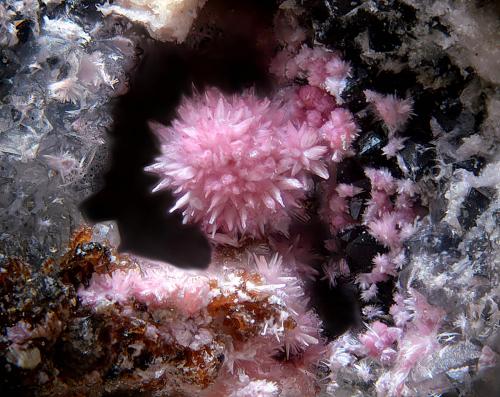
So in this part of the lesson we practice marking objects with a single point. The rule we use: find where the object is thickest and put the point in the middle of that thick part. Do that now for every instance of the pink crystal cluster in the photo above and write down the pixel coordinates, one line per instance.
(394, 113)
(397, 349)
(244, 167)
(389, 216)
(390, 221)
(241, 165)
(256, 312)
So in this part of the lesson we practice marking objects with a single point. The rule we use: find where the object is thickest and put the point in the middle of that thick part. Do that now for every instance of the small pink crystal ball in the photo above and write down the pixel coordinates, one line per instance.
(240, 165)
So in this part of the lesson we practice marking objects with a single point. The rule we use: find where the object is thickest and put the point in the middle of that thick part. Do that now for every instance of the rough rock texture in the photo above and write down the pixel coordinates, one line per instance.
(166, 20)
(95, 322)
(58, 79)
(425, 51)
(386, 283)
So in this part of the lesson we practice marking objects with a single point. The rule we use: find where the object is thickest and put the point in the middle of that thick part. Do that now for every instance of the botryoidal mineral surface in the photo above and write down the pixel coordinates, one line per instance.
(382, 123)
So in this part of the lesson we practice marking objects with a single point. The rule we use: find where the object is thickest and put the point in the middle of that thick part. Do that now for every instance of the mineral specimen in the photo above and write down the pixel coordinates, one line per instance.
(164, 19)
(95, 320)
(241, 163)
(341, 158)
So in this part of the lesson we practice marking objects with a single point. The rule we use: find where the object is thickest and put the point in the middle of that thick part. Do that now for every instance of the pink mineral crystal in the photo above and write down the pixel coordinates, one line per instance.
(393, 111)
(302, 151)
(322, 68)
(185, 292)
(339, 131)
(273, 271)
(394, 145)
(335, 269)
(223, 158)
(390, 223)
(419, 341)
(305, 333)
(386, 229)
(240, 165)
(263, 300)
(345, 190)
(381, 179)
(264, 177)
(312, 105)
(298, 254)
(379, 341)
(383, 265)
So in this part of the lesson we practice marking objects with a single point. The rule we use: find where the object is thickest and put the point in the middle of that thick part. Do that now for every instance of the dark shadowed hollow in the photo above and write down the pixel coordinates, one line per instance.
(230, 47)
